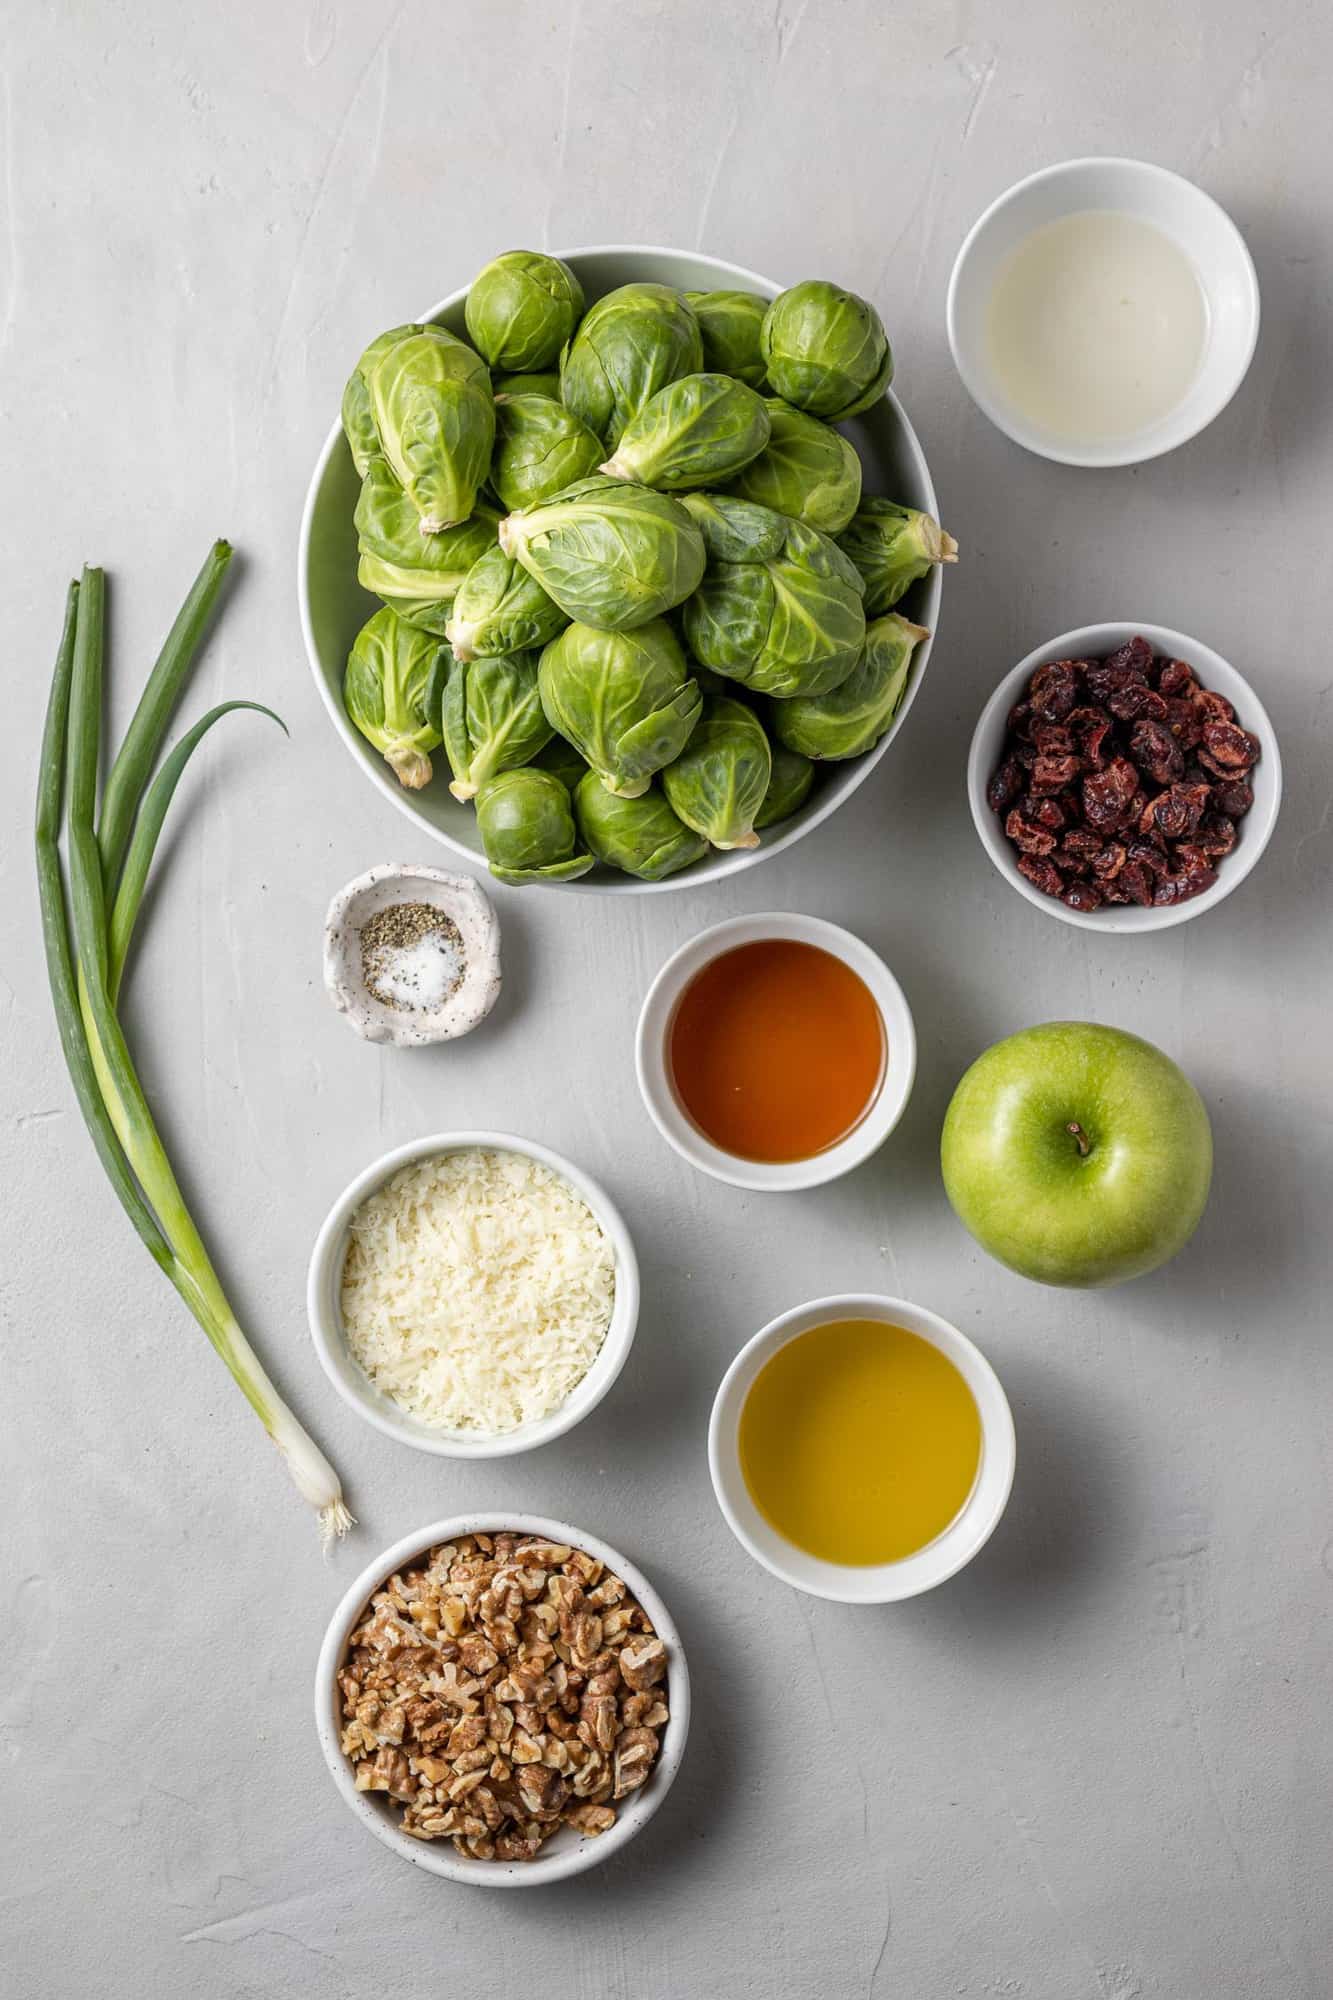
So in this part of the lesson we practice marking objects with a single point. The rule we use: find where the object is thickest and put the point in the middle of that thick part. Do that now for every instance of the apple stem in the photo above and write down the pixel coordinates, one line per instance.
(1079, 1136)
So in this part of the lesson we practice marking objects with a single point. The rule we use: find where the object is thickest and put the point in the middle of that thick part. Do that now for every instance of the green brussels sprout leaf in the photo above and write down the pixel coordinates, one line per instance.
(522, 308)
(825, 350)
(851, 718)
(631, 343)
(417, 575)
(720, 780)
(698, 431)
(610, 554)
(806, 470)
(788, 787)
(500, 609)
(358, 418)
(730, 324)
(526, 822)
(892, 547)
(641, 836)
(430, 397)
(491, 718)
(540, 448)
(392, 691)
(545, 383)
(625, 700)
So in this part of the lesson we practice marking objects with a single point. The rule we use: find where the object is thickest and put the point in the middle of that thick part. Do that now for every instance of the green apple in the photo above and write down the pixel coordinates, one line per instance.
(1077, 1155)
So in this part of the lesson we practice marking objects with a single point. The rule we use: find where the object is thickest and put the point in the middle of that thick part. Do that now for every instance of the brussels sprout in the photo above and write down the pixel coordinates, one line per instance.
(540, 448)
(642, 836)
(417, 575)
(544, 384)
(853, 717)
(729, 325)
(358, 420)
(825, 350)
(563, 761)
(720, 780)
(522, 309)
(779, 607)
(491, 719)
(526, 822)
(697, 431)
(500, 609)
(789, 786)
(623, 699)
(631, 344)
(610, 554)
(892, 546)
(806, 470)
(391, 690)
(430, 397)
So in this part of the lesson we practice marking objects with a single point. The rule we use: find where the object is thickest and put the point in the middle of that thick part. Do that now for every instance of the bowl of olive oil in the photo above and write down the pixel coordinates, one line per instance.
(861, 1448)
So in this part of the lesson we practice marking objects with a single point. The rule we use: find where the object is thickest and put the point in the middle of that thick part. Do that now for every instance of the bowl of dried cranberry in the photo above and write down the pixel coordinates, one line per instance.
(1124, 777)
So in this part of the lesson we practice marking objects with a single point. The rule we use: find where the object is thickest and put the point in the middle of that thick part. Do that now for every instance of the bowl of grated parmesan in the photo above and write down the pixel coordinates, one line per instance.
(473, 1294)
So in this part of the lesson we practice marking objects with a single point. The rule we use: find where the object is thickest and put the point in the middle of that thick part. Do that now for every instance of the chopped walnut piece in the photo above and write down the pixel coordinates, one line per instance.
(506, 1685)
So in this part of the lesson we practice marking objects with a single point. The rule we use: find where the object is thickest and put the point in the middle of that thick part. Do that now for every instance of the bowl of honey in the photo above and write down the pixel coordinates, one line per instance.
(775, 1052)
(861, 1448)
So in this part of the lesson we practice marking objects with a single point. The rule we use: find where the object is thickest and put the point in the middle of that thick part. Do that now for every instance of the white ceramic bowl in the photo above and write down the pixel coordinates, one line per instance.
(1183, 212)
(324, 1283)
(873, 1583)
(333, 605)
(653, 1066)
(1093, 642)
(567, 1853)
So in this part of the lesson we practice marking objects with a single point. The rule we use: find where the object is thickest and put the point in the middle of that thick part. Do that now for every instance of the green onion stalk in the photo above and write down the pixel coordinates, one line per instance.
(89, 913)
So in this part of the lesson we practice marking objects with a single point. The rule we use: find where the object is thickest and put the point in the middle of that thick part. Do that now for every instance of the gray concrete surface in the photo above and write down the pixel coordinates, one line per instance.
(1096, 1766)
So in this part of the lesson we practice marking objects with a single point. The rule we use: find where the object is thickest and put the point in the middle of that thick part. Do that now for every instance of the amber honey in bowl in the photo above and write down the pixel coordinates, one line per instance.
(859, 1442)
(777, 1050)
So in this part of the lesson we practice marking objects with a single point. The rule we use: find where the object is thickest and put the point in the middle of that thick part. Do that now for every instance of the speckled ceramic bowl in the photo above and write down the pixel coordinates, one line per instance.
(333, 605)
(567, 1853)
(464, 902)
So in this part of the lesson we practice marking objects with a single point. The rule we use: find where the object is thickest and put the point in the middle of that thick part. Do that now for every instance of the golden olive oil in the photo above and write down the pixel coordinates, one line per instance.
(859, 1442)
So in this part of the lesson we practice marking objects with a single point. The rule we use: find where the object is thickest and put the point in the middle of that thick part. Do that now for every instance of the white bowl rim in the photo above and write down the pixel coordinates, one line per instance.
(1105, 455)
(439, 1857)
(971, 1528)
(719, 864)
(1091, 641)
(680, 1132)
(375, 1408)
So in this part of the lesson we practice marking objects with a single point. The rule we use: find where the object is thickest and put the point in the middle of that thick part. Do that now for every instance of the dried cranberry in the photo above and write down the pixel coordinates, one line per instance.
(1053, 739)
(1135, 883)
(1156, 752)
(1216, 833)
(1135, 699)
(1027, 838)
(1135, 656)
(1177, 677)
(1234, 797)
(1108, 864)
(1177, 812)
(1082, 844)
(1043, 875)
(1233, 748)
(1194, 862)
(1090, 727)
(1053, 690)
(1052, 774)
(1179, 888)
(1048, 813)
(1185, 722)
(1005, 786)
(1214, 707)
(1143, 854)
(1107, 794)
(1019, 720)
(1082, 896)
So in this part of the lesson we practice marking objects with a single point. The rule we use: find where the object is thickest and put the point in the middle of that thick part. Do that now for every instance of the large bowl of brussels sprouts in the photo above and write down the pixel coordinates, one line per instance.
(621, 568)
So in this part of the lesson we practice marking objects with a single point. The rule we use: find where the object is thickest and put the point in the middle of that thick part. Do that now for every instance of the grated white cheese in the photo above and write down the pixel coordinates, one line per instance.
(477, 1289)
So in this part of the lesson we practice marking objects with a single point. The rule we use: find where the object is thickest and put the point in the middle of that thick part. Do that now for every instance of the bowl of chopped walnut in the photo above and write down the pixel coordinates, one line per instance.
(1124, 777)
(502, 1700)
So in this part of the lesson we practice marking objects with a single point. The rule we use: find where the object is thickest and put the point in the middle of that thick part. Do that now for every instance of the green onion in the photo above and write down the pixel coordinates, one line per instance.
(83, 982)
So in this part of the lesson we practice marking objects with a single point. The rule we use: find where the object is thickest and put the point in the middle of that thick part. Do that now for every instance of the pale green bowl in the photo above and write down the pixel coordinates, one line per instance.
(334, 606)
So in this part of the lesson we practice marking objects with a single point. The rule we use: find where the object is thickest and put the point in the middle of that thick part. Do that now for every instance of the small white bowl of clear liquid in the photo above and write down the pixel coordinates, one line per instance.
(1102, 312)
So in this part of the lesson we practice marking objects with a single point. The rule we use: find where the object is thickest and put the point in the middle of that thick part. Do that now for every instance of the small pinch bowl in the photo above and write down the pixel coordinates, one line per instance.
(567, 1853)
(652, 1059)
(1091, 642)
(1181, 211)
(323, 1307)
(874, 1583)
